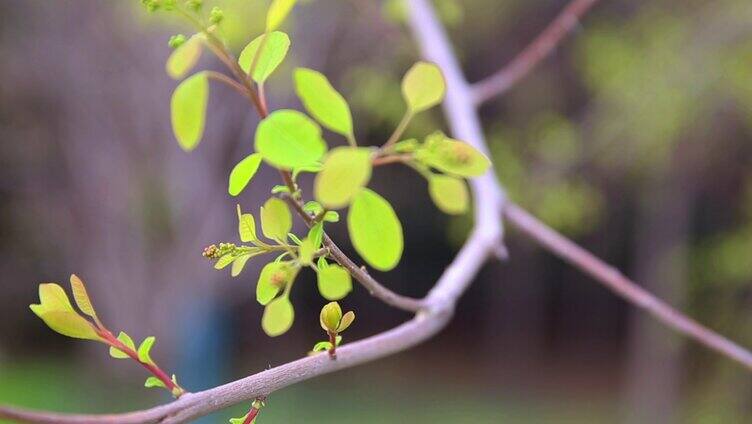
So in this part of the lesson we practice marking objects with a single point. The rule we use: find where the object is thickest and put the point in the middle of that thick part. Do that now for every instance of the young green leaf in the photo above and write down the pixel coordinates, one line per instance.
(273, 278)
(322, 346)
(188, 106)
(184, 58)
(312, 207)
(330, 317)
(246, 226)
(238, 264)
(81, 296)
(316, 234)
(56, 311)
(323, 102)
(278, 317)
(347, 319)
(154, 382)
(288, 139)
(449, 194)
(346, 171)
(126, 340)
(375, 230)
(144, 351)
(334, 282)
(331, 216)
(305, 252)
(242, 173)
(452, 156)
(224, 261)
(277, 13)
(276, 219)
(423, 87)
(274, 52)
(241, 420)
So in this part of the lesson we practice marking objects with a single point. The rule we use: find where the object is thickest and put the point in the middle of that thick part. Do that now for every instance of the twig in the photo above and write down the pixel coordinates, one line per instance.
(361, 275)
(526, 60)
(621, 285)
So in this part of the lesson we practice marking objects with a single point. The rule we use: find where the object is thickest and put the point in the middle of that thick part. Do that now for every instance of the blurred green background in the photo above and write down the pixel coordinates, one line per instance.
(633, 139)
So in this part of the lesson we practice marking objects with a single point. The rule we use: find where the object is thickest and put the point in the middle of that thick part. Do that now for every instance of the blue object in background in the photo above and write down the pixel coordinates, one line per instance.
(203, 340)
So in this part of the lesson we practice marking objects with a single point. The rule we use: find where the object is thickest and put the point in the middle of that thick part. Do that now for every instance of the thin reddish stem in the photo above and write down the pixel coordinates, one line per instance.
(152, 368)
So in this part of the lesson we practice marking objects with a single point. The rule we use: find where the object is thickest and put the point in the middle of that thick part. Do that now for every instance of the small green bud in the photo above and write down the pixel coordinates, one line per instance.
(216, 15)
(176, 41)
(170, 4)
(331, 315)
(194, 5)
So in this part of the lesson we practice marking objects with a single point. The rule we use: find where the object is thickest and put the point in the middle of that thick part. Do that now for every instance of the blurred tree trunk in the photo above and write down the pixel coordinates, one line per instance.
(653, 373)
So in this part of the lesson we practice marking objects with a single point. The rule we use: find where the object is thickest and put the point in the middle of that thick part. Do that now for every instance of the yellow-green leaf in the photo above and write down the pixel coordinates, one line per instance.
(277, 13)
(449, 194)
(188, 109)
(346, 171)
(154, 382)
(242, 173)
(334, 282)
(185, 57)
(246, 226)
(56, 311)
(288, 139)
(423, 87)
(375, 230)
(224, 261)
(306, 251)
(330, 317)
(278, 317)
(323, 102)
(273, 278)
(127, 341)
(347, 319)
(67, 323)
(144, 351)
(452, 156)
(81, 296)
(238, 264)
(276, 219)
(274, 52)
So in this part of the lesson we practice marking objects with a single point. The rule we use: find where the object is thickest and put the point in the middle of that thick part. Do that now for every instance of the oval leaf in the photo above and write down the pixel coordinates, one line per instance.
(274, 52)
(81, 296)
(334, 282)
(277, 13)
(184, 58)
(188, 108)
(273, 278)
(453, 156)
(288, 139)
(423, 87)
(67, 323)
(276, 219)
(246, 226)
(242, 173)
(278, 317)
(126, 340)
(449, 194)
(346, 171)
(144, 351)
(323, 102)
(375, 230)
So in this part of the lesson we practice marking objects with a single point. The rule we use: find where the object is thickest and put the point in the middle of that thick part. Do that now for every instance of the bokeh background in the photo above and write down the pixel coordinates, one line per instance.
(633, 139)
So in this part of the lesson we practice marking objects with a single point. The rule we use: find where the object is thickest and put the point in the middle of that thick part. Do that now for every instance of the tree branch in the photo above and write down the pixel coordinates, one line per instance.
(530, 56)
(360, 274)
(436, 309)
(630, 291)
